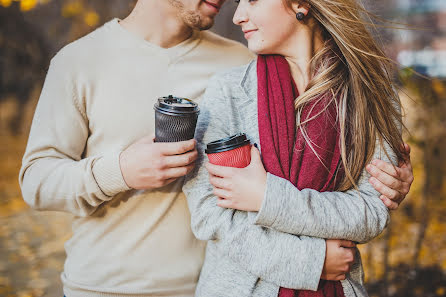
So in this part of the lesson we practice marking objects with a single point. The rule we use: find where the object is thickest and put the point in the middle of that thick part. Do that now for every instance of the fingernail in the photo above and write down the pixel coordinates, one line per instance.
(369, 167)
(375, 162)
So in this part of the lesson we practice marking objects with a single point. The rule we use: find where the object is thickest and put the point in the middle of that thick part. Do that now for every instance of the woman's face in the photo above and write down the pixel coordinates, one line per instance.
(269, 25)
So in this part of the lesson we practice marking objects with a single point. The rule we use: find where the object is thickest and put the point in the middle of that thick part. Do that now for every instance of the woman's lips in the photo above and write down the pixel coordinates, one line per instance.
(249, 33)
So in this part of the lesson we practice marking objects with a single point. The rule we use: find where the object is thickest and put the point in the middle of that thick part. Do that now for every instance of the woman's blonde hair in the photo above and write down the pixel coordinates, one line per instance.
(357, 75)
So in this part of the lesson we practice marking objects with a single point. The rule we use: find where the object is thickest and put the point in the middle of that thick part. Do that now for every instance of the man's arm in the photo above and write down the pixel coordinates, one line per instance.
(54, 176)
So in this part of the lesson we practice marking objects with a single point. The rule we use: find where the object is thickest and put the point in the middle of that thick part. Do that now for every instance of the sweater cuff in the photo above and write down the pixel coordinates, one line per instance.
(270, 208)
(315, 265)
(108, 175)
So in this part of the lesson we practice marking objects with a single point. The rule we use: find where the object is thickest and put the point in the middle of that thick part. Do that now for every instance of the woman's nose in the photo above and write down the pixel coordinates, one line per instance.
(240, 15)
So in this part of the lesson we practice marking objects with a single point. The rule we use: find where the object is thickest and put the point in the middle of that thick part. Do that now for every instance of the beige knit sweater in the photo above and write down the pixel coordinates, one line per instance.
(98, 99)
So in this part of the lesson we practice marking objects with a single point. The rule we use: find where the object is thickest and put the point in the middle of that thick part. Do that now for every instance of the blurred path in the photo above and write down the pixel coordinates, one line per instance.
(31, 243)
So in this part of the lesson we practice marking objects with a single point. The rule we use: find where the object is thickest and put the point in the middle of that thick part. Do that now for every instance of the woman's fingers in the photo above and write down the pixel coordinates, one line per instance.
(224, 203)
(218, 182)
(221, 193)
(221, 171)
(347, 243)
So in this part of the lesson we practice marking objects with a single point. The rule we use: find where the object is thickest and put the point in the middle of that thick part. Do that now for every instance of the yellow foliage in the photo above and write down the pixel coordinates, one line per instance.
(72, 9)
(91, 18)
(26, 5)
(5, 3)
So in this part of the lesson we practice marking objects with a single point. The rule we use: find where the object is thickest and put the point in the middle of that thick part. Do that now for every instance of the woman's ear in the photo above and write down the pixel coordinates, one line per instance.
(302, 7)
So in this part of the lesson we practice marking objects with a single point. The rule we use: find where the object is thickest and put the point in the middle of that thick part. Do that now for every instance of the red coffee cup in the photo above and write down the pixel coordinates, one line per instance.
(233, 151)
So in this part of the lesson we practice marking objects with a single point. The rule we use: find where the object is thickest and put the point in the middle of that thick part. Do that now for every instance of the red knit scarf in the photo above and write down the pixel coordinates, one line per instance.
(285, 152)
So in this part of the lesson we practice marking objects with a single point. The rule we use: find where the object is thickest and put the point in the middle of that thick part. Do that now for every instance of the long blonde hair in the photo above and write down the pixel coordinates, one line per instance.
(355, 72)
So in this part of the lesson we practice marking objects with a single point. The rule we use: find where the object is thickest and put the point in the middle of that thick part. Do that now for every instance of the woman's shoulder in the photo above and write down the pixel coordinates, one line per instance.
(234, 76)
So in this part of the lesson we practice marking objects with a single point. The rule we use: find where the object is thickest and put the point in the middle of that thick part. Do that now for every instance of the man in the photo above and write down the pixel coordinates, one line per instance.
(90, 152)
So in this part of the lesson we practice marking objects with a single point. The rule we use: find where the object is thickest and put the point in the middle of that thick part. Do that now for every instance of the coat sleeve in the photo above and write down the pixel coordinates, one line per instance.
(283, 259)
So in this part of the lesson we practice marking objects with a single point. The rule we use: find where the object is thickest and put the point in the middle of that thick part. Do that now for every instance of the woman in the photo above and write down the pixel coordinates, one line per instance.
(320, 103)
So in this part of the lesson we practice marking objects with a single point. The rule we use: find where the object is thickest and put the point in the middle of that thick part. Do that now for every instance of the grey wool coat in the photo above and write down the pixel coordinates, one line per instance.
(282, 245)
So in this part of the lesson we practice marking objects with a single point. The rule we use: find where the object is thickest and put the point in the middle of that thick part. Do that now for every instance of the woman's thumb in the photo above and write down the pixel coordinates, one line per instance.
(255, 154)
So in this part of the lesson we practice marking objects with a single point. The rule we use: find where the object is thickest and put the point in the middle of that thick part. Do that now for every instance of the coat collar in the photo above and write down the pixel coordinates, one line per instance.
(248, 82)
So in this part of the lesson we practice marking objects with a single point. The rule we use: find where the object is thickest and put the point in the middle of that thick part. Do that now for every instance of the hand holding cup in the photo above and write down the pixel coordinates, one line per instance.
(149, 165)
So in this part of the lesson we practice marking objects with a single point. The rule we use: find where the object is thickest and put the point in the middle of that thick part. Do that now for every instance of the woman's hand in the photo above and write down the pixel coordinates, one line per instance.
(392, 182)
(239, 188)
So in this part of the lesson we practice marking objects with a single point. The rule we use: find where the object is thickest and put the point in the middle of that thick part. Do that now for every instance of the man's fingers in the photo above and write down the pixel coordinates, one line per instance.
(385, 190)
(406, 173)
(176, 148)
(392, 205)
(386, 167)
(180, 160)
(407, 149)
(177, 172)
(221, 171)
(400, 184)
(168, 181)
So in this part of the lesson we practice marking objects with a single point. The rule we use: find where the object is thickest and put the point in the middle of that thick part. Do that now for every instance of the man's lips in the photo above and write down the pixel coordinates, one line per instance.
(217, 6)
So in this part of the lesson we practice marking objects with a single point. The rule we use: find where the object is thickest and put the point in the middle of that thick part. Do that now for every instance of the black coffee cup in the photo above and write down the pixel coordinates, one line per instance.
(175, 119)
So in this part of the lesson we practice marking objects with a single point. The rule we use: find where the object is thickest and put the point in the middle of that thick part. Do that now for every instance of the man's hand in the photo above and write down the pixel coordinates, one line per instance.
(149, 165)
(392, 182)
(339, 256)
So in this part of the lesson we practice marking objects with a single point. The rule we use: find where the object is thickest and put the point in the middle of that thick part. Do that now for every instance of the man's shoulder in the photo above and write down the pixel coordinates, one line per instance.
(227, 47)
(85, 48)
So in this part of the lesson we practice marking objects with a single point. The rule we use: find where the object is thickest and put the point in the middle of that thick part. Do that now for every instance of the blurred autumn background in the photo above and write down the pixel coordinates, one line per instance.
(408, 259)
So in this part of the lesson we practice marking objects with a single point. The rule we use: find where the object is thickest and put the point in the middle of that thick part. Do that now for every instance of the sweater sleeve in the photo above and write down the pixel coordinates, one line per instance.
(283, 259)
(54, 175)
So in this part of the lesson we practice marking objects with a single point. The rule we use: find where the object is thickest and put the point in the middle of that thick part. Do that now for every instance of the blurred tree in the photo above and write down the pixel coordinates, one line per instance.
(23, 58)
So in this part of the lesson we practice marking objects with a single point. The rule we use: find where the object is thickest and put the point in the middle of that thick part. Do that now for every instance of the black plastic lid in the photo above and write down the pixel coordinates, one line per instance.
(176, 105)
(227, 144)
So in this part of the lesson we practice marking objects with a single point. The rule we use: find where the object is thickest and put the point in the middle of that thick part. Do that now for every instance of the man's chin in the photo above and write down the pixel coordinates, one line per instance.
(205, 24)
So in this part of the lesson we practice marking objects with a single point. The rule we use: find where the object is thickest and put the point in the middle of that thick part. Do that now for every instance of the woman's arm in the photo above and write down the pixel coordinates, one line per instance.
(357, 215)
(274, 202)
(273, 256)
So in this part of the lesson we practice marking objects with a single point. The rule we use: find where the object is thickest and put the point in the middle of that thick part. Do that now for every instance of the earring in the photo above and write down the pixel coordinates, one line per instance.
(300, 16)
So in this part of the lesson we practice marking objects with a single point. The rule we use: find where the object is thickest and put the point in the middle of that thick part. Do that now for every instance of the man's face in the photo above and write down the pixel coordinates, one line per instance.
(198, 14)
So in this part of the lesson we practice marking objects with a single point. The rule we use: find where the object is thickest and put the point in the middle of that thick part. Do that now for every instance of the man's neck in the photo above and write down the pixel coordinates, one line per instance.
(157, 22)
